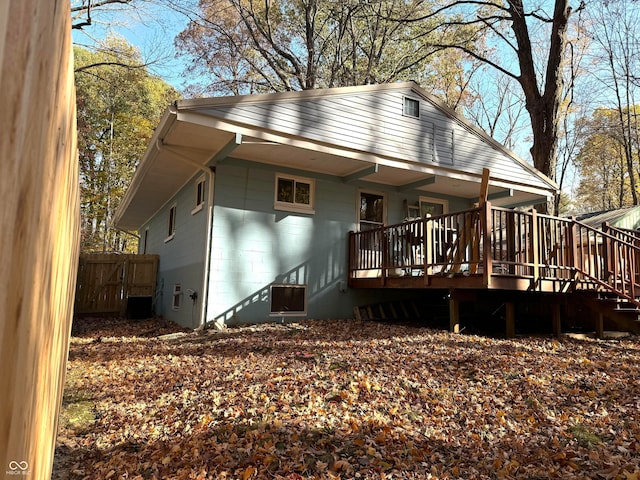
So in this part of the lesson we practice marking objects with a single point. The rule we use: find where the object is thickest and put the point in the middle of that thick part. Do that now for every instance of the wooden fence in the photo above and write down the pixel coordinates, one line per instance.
(40, 235)
(106, 282)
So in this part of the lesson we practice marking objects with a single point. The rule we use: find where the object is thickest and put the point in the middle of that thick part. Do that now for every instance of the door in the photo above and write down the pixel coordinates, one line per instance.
(372, 211)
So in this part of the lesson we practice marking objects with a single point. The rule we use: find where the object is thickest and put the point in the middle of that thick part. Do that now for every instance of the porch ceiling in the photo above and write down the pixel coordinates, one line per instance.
(180, 148)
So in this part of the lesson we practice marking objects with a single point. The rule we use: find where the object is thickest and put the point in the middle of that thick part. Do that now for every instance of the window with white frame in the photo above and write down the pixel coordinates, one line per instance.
(372, 211)
(295, 194)
(433, 206)
(177, 296)
(171, 226)
(200, 195)
(411, 107)
(288, 299)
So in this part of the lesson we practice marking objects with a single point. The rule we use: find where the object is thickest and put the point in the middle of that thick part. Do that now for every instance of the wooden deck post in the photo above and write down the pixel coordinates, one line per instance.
(351, 248)
(556, 319)
(40, 218)
(574, 244)
(454, 312)
(510, 311)
(599, 325)
(535, 252)
(487, 255)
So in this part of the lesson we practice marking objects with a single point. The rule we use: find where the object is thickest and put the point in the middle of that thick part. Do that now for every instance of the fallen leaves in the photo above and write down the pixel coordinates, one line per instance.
(343, 399)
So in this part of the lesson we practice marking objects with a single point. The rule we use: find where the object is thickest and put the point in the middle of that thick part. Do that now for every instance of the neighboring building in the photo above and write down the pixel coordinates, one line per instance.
(625, 218)
(248, 200)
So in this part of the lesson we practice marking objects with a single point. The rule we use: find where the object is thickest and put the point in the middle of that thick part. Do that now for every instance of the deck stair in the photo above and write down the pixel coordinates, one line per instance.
(624, 315)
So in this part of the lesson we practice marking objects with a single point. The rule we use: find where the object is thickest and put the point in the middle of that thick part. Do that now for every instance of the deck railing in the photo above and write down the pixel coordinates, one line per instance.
(492, 241)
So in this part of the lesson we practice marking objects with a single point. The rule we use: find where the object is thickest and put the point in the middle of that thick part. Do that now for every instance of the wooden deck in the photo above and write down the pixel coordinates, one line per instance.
(499, 249)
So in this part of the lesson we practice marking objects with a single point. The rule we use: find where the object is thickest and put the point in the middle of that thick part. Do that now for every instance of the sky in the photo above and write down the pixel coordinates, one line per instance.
(151, 28)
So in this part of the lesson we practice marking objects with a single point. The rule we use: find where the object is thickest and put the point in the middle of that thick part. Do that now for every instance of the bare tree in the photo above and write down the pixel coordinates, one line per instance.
(250, 46)
(82, 10)
(616, 39)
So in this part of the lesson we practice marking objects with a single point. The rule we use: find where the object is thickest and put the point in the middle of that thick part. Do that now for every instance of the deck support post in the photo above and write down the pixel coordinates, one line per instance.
(555, 319)
(599, 326)
(454, 312)
(510, 310)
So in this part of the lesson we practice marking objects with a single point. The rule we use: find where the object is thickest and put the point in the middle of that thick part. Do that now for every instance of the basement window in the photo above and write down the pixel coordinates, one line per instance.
(288, 300)
(411, 107)
(294, 194)
(177, 296)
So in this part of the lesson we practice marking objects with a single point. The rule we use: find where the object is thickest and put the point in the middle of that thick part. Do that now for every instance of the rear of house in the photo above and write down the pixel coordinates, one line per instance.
(249, 200)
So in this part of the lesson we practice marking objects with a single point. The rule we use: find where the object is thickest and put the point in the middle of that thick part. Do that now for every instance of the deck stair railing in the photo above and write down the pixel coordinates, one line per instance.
(492, 241)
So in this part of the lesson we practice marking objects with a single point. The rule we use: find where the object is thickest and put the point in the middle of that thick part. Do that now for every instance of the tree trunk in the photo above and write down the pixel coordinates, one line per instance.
(542, 106)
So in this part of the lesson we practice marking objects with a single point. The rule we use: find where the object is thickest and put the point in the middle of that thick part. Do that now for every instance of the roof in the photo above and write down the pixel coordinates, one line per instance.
(347, 133)
(628, 218)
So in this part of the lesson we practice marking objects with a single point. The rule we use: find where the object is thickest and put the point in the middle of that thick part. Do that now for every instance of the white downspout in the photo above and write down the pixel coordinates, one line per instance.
(207, 254)
(209, 229)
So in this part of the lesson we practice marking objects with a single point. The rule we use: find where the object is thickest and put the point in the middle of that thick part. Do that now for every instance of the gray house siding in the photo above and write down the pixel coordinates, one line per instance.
(181, 258)
(377, 124)
(255, 246)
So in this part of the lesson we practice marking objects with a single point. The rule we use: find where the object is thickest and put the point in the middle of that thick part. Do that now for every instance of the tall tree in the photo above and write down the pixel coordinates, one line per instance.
(605, 182)
(118, 108)
(527, 44)
(616, 34)
(248, 46)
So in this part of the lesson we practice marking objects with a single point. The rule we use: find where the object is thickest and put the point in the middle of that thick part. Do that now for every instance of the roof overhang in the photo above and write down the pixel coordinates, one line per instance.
(188, 140)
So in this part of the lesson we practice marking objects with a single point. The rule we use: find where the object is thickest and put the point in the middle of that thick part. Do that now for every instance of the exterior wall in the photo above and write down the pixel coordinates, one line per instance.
(255, 245)
(181, 258)
(376, 124)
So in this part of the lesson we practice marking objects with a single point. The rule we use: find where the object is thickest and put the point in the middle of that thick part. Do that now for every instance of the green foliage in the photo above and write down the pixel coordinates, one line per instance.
(119, 104)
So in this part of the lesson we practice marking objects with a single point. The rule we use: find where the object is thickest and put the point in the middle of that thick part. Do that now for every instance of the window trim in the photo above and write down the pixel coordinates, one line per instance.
(145, 241)
(177, 296)
(294, 206)
(199, 205)
(171, 222)
(405, 112)
(440, 201)
(288, 313)
(384, 206)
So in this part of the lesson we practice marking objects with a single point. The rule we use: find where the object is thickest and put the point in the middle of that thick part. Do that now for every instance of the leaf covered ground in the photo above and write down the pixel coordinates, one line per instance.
(346, 399)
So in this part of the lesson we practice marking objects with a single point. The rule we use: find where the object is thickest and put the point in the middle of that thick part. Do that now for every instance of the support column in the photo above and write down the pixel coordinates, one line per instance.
(555, 319)
(510, 309)
(599, 325)
(454, 313)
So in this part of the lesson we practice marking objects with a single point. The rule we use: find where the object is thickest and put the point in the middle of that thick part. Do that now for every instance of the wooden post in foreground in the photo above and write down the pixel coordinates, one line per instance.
(39, 240)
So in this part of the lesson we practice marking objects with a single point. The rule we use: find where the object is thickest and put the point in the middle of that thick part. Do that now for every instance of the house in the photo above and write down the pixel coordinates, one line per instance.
(625, 218)
(249, 200)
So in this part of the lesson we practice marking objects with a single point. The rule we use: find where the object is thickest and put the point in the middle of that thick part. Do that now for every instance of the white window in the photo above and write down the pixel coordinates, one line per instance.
(433, 206)
(171, 226)
(411, 107)
(288, 299)
(371, 211)
(294, 194)
(200, 195)
(177, 296)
